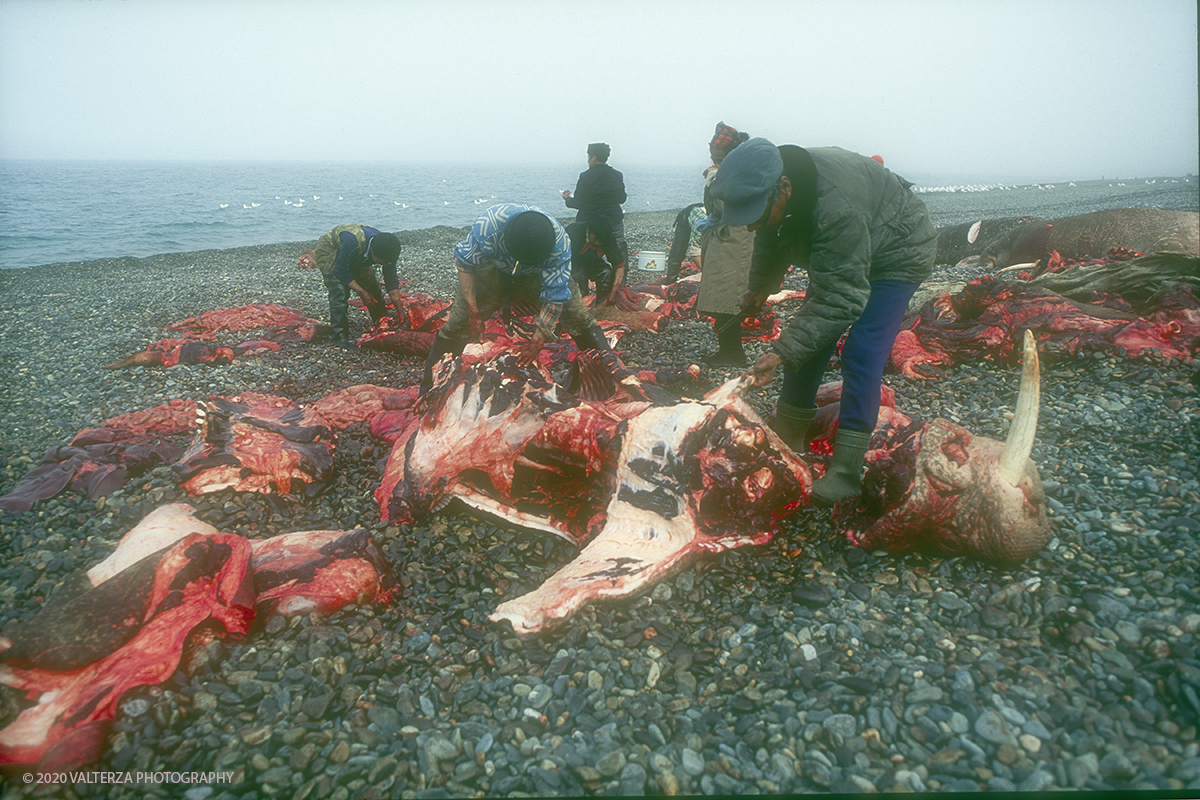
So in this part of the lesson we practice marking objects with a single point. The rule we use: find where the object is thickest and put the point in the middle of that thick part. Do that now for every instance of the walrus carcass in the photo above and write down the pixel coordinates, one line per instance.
(653, 483)
(1144, 230)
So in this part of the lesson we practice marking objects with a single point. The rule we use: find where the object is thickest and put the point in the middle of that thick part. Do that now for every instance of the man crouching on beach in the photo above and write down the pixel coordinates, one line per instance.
(514, 252)
(347, 256)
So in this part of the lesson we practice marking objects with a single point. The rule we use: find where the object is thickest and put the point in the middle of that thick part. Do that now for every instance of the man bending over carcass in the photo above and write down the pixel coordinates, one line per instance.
(514, 252)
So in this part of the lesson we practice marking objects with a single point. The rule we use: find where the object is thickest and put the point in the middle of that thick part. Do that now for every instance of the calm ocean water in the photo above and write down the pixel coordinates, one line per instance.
(61, 211)
(56, 211)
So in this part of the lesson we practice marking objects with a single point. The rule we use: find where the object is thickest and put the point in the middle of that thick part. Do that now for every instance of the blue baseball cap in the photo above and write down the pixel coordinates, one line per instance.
(745, 179)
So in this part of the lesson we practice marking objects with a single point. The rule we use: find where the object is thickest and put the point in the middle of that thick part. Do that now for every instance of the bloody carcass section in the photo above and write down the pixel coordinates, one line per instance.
(196, 336)
(692, 478)
(173, 581)
(255, 445)
(987, 318)
(654, 482)
(937, 487)
(506, 439)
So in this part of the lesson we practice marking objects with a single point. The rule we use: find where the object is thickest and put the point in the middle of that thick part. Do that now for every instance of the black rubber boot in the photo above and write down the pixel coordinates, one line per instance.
(729, 344)
(339, 320)
(844, 477)
(792, 424)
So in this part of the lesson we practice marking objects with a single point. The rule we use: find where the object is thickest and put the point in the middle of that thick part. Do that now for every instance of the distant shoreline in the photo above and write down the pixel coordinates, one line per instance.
(948, 205)
(634, 219)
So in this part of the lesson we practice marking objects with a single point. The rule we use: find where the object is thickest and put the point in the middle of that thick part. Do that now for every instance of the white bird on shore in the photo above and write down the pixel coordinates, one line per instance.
(316, 197)
(255, 205)
(445, 202)
(339, 197)
(224, 205)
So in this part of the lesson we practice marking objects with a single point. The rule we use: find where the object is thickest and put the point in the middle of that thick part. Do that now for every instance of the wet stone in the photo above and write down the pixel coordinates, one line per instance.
(995, 617)
(924, 694)
(387, 719)
(812, 596)
(539, 696)
(692, 762)
(843, 725)
(992, 727)
(633, 779)
(315, 707)
(611, 764)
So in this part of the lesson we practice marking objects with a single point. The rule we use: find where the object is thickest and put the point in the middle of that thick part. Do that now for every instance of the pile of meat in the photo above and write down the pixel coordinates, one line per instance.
(197, 343)
(249, 442)
(173, 583)
(987, 318)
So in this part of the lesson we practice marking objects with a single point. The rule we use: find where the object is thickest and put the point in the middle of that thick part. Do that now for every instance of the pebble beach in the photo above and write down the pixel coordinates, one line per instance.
(801, 666)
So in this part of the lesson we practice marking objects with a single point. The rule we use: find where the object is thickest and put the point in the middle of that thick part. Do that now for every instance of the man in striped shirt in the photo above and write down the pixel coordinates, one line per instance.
(514, 252)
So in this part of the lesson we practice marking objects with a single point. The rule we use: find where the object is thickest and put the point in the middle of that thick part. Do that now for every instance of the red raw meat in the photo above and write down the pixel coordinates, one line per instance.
(319, 571)
(242, 318)
(400, 342)
(989, 315)
(692, 478)
(172, 582)
(253, 443)
(200, 580)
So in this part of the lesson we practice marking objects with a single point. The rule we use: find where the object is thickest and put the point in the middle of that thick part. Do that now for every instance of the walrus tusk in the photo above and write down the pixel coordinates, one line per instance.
(973, 232)
(1019, 444)
(1016, 267)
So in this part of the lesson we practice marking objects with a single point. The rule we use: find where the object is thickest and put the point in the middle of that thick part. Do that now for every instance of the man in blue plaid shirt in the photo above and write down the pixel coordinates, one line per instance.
(514, 252)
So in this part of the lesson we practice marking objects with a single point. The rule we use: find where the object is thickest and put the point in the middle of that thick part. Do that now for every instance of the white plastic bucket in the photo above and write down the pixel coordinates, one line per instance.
(651, 261)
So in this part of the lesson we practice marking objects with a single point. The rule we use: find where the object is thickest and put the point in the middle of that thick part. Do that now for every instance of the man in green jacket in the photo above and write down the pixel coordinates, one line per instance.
(347, 257)
(867, 243)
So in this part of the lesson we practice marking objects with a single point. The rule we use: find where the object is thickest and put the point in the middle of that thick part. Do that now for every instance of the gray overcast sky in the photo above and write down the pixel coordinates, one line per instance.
(986, 89)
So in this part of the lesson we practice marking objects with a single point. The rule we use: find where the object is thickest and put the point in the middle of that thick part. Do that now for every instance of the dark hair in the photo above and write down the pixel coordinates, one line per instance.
(600, 150)
(386, 246)
(529, 237)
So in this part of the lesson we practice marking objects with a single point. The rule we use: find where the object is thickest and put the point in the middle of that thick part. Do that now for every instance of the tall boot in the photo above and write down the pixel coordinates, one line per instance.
(729, 343)
(440, 348)
(339, 320)
(844, 477)
(792, 424)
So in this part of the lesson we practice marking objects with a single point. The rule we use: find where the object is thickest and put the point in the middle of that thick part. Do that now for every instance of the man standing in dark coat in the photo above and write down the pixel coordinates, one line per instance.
(867, 243)
(591, 262)
(599, 192)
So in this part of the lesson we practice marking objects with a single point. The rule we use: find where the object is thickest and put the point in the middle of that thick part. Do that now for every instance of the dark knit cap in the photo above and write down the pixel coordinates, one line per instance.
(529, 237)
(386, 246)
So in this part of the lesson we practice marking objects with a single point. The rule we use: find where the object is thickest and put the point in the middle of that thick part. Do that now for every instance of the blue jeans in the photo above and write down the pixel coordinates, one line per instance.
(864, 357)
